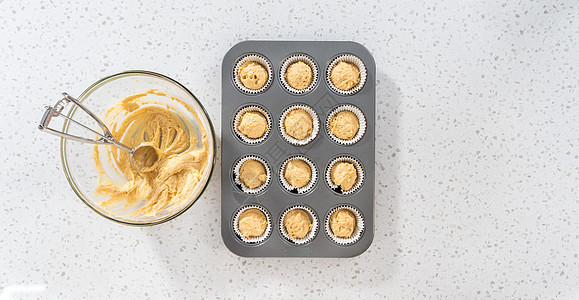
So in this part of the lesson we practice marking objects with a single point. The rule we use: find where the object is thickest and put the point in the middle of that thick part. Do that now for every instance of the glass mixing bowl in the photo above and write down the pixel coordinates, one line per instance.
(78, 158)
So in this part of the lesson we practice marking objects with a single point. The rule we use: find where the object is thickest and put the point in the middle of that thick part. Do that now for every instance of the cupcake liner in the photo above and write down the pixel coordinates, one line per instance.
(256, 58)
(310, 236)
(240, 184)
(253, 240)
(349, 58)
(361, 121)
(359, 169)
(358, 231)
(286, 185)
(315, 123)
(308, 60)
(237, 119)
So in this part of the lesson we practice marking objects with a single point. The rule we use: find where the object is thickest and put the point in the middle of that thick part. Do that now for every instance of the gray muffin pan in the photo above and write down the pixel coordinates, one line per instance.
(275, 150)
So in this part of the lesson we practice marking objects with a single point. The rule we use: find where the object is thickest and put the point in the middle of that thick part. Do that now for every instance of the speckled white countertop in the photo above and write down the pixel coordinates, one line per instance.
(476, 146)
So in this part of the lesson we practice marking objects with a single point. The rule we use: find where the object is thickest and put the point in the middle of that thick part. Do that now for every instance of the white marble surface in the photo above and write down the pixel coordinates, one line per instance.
(477, 159)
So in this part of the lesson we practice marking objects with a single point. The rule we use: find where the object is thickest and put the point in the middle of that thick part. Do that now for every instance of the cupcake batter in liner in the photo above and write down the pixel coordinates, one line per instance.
(260, 59)
(359, 172)
(292, 189)
(240, 184)
(252, 240)
(310, 236)
(352, 59)
(361, 121)
(315, 125)
(358, 230)
(252, 108)
(308, 61)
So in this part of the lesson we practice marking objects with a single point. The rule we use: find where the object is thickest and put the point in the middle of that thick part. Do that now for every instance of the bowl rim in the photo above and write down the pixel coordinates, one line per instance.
(68, 174)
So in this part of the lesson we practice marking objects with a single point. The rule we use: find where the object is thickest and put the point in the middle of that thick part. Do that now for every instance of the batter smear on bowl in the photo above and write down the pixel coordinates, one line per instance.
(171, 180)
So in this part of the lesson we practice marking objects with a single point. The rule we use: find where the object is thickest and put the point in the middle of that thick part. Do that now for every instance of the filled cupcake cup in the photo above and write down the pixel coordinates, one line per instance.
(309, 61)
(237, 119)
(252, 240)
(292, 189)
(361, 122)
(358, 230)
(359, 172)
(257, 58)
(351, 59)
(241, 185)
(315, 125)
(311, 234)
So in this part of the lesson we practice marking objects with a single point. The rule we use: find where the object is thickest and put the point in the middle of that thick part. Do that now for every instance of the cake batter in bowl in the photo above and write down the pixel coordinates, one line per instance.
(141, 108)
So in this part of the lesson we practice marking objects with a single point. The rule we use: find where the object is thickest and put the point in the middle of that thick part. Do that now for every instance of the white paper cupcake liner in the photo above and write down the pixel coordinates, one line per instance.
(310, 236)
(308, 61)
(358, 231)
(361, 121)
(349, 58)
(315, 125)
(258, 58)
(240, 184)
(360, 172)
(286, 185)
(237, 119)
(252, 240)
